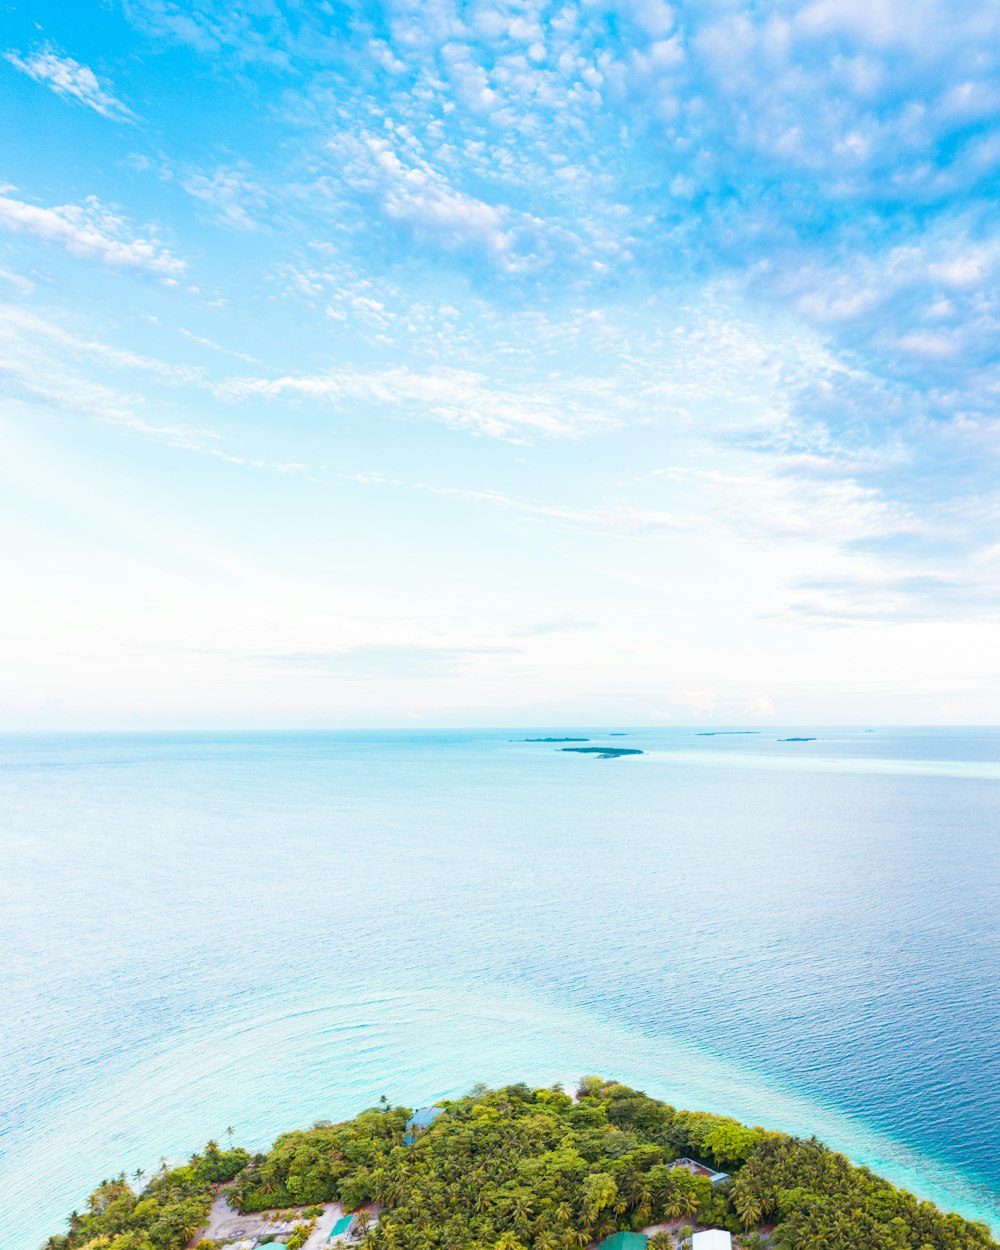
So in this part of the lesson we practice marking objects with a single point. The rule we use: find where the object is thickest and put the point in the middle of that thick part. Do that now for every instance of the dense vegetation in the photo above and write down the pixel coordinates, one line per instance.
(163, 1215)
(523, 1169)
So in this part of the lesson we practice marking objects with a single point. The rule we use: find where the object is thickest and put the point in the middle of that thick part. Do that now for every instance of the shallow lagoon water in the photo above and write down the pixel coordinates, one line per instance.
(265, 930)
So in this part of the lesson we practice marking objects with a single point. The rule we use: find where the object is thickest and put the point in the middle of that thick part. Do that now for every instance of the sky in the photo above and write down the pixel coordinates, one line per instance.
(595, 362)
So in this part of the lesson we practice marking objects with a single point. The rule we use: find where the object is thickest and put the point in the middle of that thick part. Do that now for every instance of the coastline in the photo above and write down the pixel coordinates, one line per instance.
(451, 1058)
(608, 1159)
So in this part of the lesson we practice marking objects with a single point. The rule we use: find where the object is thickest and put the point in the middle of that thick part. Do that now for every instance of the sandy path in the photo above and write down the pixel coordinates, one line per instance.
(226, 1225)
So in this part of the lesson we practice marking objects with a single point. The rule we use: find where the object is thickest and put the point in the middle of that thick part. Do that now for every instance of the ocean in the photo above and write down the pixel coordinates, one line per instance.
(261, 930)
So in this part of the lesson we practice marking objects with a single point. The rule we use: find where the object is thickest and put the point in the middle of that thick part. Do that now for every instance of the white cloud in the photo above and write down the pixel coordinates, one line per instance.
(963, 272)
(458, 397)
(653, 16)
(879, 23)
(216, 347)
(236, 200)
(72, 81)
(91, 231)
(26, 326)
(45, 364)
(18, 280)
(384, 661)
(419, 196)
(929, 346)
(615, 518)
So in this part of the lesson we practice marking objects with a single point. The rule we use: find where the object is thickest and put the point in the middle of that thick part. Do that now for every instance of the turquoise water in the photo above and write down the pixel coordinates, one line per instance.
(264, 930)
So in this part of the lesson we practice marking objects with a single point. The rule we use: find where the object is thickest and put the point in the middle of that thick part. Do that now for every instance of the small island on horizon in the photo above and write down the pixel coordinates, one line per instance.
(605, 753)
(518, 1168)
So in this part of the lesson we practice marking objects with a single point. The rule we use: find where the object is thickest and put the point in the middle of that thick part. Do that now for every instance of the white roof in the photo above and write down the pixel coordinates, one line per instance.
(714, 1239)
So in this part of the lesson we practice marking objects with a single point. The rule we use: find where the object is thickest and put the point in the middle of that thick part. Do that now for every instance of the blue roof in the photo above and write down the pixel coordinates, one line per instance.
(425, 1117)
(341, 1226)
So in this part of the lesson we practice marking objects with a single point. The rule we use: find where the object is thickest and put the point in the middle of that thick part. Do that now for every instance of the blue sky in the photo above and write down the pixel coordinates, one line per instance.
(496, 363)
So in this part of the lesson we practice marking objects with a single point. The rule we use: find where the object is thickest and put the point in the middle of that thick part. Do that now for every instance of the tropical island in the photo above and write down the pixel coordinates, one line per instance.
(519, 1169)
(605, 753)
(555, 739)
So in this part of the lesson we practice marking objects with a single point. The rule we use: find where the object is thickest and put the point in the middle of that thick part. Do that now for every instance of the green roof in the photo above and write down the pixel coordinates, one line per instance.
(341, 1226)
(625, 1241)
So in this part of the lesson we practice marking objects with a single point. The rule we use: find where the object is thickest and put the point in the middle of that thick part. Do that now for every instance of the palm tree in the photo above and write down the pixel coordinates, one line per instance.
(521, 1209)
(673, 1206)
(748, 1208)
(508, 1241)
(229, 1134)
(138, 1174)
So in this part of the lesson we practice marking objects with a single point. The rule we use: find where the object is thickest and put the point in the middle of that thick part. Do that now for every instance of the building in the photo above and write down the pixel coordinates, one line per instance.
(713, 1239)
(420, 1120)
(699, 1169)
(625, 1241)
(340, 1230)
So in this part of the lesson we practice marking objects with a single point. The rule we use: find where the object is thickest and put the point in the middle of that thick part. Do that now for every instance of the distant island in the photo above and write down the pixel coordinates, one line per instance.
(555, 739)
(725, 733)
(518, 1169)
(798, 739)
(605, 753)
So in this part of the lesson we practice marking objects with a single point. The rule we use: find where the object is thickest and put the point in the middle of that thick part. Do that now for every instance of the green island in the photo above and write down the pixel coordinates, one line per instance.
(605, 753)
(520, 1169)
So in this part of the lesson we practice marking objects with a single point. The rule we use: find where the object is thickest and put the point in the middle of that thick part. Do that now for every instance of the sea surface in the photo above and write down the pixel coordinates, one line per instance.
(264, 930)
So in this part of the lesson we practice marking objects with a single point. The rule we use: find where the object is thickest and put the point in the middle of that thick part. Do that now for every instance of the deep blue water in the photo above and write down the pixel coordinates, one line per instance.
(263, 930)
